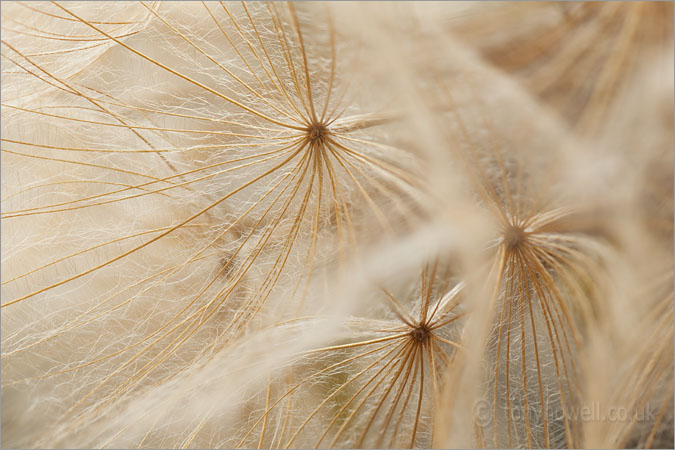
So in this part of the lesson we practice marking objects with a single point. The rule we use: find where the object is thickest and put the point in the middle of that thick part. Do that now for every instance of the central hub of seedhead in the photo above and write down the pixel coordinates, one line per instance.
(420, 333)
(514, 236)
(317, 132)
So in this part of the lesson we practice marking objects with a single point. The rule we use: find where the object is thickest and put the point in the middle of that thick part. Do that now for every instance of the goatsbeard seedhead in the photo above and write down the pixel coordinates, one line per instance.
(345, 225)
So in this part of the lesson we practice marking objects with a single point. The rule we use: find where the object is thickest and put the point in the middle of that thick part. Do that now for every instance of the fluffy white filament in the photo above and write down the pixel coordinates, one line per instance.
(348, 225)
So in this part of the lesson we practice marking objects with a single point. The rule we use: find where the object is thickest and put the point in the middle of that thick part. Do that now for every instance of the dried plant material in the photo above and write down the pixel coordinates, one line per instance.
(574, 56)
(266, 225)
(376, 381)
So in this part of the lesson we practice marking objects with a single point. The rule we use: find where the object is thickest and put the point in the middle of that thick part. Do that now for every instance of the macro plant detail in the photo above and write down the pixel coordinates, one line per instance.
(281, 225)
(541, 264)
(390, 376)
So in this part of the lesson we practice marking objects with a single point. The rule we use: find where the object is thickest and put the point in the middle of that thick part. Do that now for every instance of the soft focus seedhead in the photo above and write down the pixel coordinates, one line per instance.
(266, 225)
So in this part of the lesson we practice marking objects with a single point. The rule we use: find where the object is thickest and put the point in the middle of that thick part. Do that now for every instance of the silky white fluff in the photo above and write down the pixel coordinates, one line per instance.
(336, 225)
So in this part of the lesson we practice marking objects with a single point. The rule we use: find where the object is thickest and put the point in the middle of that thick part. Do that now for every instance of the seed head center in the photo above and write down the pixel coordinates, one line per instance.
(317, 132)
(420, 333)
(514, 236)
